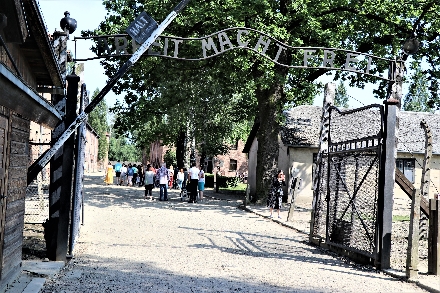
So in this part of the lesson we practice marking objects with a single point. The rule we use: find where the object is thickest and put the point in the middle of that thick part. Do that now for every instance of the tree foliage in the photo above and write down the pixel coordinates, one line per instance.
(122, 150)
(181, 97)
(341, 96)
(417, 99)
(98, 121)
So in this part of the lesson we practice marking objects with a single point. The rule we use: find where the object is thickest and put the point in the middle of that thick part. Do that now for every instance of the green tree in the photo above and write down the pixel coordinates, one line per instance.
(341, 96)
(98, 121)
(377, 28)
(418, 98)
(170, 158)
(121, 149)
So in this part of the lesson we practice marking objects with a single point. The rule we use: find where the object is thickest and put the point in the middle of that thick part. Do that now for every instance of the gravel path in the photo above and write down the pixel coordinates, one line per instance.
(129, 244)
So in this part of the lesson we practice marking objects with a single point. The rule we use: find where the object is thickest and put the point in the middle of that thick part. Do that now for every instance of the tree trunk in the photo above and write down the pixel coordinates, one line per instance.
(180, 149)
(269, 106)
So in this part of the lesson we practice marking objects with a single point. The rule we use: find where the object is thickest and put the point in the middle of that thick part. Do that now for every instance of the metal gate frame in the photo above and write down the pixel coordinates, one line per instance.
(340, 231)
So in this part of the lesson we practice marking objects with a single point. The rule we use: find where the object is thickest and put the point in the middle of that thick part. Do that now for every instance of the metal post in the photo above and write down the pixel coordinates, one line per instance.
(67, 170)
(329, 97)
(385, 202)
(77, 198)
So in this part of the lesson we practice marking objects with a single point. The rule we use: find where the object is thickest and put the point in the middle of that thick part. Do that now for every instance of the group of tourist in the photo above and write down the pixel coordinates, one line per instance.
(128, 175)
(164, 178)
(194, 178)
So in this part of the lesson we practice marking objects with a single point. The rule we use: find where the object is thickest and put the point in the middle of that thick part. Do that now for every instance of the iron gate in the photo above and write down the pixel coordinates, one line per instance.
(346, 208)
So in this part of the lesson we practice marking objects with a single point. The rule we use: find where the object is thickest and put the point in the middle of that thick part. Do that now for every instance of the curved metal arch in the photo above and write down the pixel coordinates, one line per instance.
(280, 44)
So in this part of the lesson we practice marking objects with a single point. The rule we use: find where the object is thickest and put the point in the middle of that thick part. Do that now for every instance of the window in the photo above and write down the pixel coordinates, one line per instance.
(406, 166)
(232, 165)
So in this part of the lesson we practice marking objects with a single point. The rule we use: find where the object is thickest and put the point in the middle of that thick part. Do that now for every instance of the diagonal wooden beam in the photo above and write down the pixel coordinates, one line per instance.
(409, 188)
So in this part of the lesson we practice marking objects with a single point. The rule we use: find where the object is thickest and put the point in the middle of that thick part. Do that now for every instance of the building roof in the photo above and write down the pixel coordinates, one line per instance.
(303, 125)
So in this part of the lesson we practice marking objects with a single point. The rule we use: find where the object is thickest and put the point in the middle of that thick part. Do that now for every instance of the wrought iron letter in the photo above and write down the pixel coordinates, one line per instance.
(280, 49)
(165, 47)
(262, 42)
(240, 43)
(224, 42)
(121, 48)
(367, 70)
(103, 46)
(150, 50)
(176, 47)
(328, 60)
(208, 46)
(307, 56)
(351, 58)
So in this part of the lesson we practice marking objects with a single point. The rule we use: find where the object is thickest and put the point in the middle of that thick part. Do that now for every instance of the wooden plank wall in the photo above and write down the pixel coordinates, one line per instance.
(24, 68)
(16, 164)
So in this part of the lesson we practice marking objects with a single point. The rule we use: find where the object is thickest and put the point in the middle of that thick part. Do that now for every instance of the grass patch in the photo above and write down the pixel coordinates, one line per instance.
(399, 218)
(239, 187)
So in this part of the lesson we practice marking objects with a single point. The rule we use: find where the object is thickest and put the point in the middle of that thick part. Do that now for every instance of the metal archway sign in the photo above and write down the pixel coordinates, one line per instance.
(196, 49)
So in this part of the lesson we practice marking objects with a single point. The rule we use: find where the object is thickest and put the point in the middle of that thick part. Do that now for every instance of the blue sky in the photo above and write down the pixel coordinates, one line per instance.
(89, 13)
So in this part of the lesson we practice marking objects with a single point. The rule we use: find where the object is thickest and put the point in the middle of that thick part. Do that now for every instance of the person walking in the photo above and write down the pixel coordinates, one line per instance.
(141, 174)
(149, 183)
(163, 182)
(275, 197)
(179, 178)
(130, 173)
(201, 184)
(109, 174)
(175, 185)
(118, 167)
(170, 176)
(194, 179)
(123, 175)
(135, 175)
(185, 178)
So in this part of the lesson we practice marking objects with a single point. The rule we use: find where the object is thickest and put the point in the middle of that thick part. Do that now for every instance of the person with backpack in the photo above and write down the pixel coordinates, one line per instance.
(130, 173)
(149, 182)
(123, 178)
(135, 175)
(118, 167)
(141, 174)
(163, 182)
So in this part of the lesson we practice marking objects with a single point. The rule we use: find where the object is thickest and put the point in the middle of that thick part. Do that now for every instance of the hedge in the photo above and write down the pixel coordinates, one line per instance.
(222, 181)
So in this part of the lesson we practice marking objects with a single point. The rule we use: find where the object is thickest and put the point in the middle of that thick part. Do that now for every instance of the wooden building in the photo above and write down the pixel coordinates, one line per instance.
(27, 65)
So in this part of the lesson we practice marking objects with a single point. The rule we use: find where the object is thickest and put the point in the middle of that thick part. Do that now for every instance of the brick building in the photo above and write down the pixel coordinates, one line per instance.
(231, 164)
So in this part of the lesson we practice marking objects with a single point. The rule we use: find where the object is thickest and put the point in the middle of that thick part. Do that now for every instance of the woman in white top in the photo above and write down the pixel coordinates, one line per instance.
(194, 178)
(180, 178)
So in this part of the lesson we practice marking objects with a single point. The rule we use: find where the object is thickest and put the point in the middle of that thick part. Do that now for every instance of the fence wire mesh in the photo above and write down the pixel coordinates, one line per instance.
(348, 184)
(37, 192)
(352, 209)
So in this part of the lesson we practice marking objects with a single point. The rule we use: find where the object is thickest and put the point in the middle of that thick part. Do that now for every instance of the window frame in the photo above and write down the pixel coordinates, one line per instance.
(236, 165)
(404, 162)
